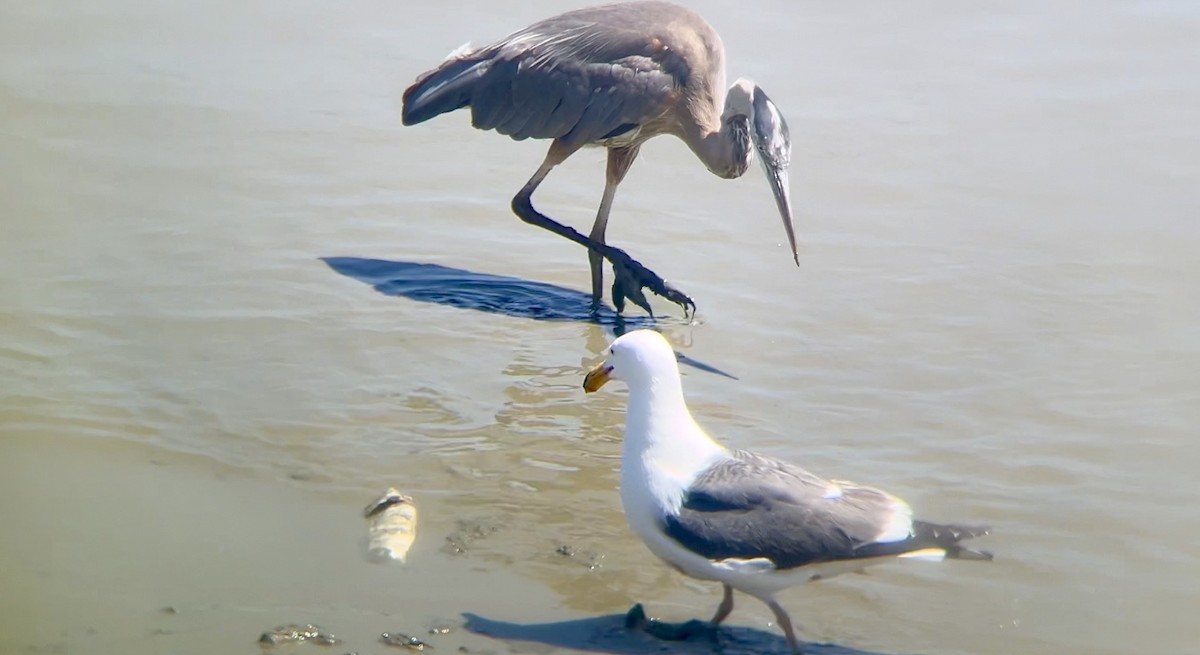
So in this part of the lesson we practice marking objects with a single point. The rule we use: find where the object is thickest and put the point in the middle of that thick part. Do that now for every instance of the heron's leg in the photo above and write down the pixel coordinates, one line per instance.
(619, 162)
(785, 622)
(629, 276)
(522, 203)
(725, 607)
(629, 272)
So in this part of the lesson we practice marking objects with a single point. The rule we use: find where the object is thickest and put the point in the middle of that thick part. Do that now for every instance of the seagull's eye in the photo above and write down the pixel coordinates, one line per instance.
(611, 351)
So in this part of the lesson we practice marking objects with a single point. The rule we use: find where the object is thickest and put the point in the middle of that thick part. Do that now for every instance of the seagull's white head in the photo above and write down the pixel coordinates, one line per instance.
(639, 358)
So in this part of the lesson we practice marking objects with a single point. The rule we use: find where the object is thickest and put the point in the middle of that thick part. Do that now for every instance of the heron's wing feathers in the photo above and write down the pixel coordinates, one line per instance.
(750, 506)
(443, 89)
(576, 77)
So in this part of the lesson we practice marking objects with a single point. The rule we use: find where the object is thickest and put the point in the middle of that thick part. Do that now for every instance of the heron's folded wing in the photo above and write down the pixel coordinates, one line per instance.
(578, 81)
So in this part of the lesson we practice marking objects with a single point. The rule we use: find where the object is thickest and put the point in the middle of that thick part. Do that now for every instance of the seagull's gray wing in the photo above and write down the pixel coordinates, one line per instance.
(750, 506)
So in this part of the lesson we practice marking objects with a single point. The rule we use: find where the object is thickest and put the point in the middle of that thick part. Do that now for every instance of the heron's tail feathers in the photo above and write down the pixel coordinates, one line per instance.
(445, 88)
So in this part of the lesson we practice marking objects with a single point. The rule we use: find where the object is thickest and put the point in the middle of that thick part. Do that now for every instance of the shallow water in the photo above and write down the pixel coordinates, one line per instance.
(239, 300)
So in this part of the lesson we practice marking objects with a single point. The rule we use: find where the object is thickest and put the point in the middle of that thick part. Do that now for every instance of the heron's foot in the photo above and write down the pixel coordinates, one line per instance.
(630, 278)
(635, 619)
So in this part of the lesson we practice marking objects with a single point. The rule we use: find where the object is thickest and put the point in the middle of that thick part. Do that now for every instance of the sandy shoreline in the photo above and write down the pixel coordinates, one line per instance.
(102, 537)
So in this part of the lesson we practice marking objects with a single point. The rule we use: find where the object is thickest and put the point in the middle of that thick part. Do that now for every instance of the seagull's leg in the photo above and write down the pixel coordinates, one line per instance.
(633, 275)
(785, 622)
(724, 608)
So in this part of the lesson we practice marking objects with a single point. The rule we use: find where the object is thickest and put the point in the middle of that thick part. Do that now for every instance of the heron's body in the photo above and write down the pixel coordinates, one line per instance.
(595, 76)
(611, 76)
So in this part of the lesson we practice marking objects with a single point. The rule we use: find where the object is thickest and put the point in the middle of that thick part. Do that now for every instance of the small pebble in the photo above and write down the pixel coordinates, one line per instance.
(402, 640)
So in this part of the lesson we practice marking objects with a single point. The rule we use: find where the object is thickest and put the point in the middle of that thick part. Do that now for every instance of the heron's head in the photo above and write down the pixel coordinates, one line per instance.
(739, 100)
(637, 358)
(735, 127)
(768, 131)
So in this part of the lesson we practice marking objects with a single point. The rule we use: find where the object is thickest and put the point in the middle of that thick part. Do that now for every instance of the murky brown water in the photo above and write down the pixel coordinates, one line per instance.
(995, 316)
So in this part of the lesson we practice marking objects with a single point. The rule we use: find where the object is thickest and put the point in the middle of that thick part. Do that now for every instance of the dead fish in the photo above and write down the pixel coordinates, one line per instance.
(391, 526)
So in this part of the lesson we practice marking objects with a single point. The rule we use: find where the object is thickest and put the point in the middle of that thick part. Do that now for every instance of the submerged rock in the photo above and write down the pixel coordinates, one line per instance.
(404, 641)
(467, 533)
(292, 633)
(589, 559)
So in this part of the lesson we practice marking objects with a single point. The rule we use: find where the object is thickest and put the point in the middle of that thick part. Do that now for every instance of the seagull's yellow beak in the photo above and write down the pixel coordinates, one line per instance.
(597, 377)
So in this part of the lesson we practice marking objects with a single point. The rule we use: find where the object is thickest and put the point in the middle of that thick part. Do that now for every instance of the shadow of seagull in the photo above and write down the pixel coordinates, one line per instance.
(621, 634)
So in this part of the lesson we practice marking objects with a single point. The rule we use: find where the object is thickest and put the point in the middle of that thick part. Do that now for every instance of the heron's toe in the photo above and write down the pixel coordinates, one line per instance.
(627, 286)
(630, 277)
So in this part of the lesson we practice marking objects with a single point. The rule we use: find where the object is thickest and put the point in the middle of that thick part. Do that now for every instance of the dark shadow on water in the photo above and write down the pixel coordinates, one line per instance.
(494, 294)
(482, 292)
(609, 634)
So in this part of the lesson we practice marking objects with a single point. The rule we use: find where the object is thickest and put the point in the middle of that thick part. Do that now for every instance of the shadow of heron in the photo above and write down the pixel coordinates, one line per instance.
(482, 292)
(494, 294)
(612, 634)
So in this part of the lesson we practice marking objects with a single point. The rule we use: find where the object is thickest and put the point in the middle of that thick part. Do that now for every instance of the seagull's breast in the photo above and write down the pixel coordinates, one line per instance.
(653, 487)
(664, 452)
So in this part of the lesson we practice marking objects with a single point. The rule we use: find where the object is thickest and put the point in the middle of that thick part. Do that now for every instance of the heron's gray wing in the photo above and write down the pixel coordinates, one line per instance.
(578, 79)
(750, 506)
(581, 77)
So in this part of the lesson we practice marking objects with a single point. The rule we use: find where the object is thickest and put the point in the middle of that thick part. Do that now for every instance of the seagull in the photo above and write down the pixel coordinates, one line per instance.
(751, 522)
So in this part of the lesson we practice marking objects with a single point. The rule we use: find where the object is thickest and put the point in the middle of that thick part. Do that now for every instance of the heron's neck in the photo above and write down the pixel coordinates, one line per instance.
(723, 144)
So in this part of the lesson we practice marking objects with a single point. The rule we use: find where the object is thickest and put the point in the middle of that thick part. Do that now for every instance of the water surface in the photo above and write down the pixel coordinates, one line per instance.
(994, 316)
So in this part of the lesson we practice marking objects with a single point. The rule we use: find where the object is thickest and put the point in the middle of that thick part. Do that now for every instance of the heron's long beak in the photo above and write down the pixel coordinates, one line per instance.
(778, 177)
(597, 377)
(769, 132)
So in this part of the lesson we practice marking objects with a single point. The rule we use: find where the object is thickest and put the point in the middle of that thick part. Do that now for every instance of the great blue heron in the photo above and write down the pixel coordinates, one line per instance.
(615, 76)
